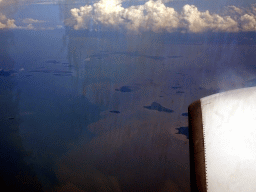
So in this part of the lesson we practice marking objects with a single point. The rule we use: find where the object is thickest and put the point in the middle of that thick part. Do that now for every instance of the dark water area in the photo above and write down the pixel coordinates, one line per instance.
(6, 73)
(13, 169)
(183, 131)
(35, 129)
(137, 54)
(174, 56)
(105, 111)
(52, 61)
(38, 118)
(114, 112)
(185, 114)
(158, 107)
(177, 87)
(124, 89)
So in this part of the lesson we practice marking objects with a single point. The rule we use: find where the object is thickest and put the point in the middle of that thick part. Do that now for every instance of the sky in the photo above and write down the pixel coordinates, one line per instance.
(136, 17)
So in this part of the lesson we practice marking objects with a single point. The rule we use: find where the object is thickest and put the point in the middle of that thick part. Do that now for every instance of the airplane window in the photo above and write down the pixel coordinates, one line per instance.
(94, 94)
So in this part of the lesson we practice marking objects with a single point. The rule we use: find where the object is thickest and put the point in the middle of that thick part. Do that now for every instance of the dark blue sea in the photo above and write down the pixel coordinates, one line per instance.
(88, 111)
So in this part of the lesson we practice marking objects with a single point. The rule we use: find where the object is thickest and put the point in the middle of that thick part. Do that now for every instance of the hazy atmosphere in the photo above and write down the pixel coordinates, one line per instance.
(94, 94)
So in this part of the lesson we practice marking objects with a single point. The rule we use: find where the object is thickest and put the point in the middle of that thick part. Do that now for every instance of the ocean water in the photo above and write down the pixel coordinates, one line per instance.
(105, 111)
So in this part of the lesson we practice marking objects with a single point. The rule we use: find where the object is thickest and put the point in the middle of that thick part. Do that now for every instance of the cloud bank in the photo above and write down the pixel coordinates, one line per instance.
(30, 20)
(6, 23)
(155, 16)
(9, 7)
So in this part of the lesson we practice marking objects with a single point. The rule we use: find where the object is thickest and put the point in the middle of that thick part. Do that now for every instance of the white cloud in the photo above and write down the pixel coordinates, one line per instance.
(196, 21)
(10, 4)
(47, 3)
(59, 27)
(234, 9)
(8, 7)
(30, 20)
(30, 27)
(2, 25)
(6, 23)
(163, 1)
(55, 2)
(248, 22)
(2, 17)
(10, 24)
(155, 16)
(167, 1)
(82, 16)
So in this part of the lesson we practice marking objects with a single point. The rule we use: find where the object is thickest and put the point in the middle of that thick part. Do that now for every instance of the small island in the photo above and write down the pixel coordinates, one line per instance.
(156, 106)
